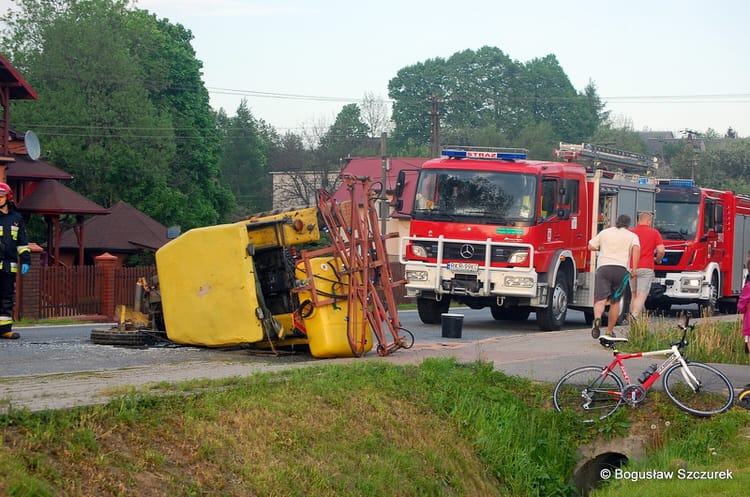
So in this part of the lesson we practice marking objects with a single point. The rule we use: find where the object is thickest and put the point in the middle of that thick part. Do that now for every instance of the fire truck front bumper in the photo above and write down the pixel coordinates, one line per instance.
(683, 287)
(484, 282)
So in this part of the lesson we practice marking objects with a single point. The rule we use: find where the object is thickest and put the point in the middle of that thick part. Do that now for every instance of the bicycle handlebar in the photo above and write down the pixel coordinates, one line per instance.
(683, 341)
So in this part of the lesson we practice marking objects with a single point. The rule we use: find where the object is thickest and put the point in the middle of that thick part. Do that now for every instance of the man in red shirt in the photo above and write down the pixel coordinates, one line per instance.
(652, 251)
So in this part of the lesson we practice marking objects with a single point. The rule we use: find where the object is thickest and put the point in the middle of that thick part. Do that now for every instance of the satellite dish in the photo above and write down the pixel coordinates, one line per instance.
(31, 142)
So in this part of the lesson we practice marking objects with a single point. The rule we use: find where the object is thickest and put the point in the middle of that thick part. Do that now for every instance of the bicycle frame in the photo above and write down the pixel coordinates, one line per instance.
(674, 357)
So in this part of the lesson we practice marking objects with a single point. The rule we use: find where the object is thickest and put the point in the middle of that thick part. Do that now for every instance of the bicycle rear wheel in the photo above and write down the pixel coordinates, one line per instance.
(590, 392)
(713, 393)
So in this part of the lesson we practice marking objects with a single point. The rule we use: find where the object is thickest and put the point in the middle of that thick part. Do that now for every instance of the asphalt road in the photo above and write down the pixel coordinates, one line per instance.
(59, 367)
(45, 350)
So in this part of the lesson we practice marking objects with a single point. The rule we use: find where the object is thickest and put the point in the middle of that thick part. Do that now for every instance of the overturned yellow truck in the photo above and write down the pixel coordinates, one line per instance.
(254, 283)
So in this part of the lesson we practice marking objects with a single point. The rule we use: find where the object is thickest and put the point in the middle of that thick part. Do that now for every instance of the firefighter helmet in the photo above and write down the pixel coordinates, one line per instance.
(5, 189)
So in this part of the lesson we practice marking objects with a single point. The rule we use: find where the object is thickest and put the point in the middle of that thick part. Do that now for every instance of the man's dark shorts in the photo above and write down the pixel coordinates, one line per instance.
(608, 279)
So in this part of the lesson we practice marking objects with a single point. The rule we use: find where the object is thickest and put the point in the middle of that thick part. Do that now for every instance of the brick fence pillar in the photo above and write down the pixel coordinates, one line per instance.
(28, 288)
(105, 264)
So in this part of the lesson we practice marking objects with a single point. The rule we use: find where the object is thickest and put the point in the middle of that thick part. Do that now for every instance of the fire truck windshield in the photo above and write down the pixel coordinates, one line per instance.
(483, 196)
(676, 220)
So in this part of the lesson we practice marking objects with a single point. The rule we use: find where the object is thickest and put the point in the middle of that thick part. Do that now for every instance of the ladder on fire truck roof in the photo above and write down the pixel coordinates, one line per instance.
(358, 244)
(608, 157)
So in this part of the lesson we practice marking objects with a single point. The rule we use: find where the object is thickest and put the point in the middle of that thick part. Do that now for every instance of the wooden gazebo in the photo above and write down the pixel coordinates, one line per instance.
(52, 199)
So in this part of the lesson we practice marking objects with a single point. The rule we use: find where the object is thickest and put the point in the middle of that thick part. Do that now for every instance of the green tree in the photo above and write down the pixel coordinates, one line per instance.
(548, 96)
(121, 106)
(348, 136)
(244, 165)
(93, 105)
(623, 138)
(724, 164)
(288, 153)
(173, 77)
(485, 136)
(486, 90)
(539, 139)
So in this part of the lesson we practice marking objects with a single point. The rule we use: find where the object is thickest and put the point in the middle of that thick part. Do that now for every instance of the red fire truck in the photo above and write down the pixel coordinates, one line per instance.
(490, 228)
(707, 238)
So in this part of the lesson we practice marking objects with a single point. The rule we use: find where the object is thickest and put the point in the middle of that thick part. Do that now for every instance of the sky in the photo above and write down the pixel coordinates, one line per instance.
(659, 65)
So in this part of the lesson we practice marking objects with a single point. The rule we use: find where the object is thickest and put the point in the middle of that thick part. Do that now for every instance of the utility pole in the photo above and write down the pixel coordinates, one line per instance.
(384, 170)
(691, 134)
(435, 130)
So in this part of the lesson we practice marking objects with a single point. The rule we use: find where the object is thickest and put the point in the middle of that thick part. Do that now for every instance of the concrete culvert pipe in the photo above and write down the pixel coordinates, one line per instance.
(597, 470)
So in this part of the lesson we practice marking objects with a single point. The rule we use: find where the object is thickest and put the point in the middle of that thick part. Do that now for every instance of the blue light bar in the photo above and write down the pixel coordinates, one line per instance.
(682, 182)
(482, 154)
(677, 182)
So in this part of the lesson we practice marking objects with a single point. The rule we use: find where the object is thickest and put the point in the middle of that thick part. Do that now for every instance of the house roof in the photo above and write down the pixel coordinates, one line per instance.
(27, 169)
(18, 88)
(126, 229)
(53, 198)
(24, 168)
(372, 167)
(655, 141)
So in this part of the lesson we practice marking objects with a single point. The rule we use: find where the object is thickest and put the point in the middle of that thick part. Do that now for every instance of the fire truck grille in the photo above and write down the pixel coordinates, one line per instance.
(469, 252)
(671, 258)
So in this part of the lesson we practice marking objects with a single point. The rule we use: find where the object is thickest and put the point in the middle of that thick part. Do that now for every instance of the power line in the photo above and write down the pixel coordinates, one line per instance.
(283, 96)
(689, 98)
(64, 130)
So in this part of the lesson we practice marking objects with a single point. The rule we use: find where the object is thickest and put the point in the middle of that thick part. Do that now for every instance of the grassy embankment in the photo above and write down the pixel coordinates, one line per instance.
(364, 429)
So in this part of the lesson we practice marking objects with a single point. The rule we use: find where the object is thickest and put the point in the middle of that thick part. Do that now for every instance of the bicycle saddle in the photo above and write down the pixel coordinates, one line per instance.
(608, 341)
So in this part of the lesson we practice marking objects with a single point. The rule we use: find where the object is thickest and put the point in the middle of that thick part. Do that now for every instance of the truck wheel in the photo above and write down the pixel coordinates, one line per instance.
(552, 317)
(707, 307)
(431, 309)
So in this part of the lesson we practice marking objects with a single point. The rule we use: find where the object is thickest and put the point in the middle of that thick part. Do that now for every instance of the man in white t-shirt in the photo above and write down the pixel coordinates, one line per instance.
(617, 247)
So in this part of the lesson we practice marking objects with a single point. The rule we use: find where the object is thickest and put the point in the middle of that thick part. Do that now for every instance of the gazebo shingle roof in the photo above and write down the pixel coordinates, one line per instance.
(54, 198)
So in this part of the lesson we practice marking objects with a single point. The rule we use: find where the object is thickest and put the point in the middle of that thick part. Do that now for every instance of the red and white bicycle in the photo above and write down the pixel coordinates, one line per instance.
(595, 392)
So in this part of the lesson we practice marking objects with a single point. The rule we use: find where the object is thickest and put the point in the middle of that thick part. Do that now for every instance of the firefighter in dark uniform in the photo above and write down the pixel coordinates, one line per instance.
(14, 248)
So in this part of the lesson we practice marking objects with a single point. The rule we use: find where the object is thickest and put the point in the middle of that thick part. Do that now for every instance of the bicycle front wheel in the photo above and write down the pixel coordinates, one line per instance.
(591, 392)
(710, 393)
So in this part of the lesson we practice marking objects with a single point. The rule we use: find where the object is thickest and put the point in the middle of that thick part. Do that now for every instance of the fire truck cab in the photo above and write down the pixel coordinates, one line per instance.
(490, 228)
(706, 234)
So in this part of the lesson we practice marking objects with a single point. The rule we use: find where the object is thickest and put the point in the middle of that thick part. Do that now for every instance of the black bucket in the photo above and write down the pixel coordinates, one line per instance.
(452, 325)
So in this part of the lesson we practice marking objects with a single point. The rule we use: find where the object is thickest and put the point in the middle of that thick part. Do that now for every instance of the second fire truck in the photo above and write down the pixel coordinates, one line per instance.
(490, 228)
(706, 234)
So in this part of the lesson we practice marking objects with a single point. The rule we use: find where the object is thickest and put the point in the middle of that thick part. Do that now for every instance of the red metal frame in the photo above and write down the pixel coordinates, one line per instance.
(358, 243)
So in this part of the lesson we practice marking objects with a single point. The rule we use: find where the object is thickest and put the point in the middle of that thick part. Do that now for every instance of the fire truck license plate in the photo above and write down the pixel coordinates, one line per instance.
(463, 267)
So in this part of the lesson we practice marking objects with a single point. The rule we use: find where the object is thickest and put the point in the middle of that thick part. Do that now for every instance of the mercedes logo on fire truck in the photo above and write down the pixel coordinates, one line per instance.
(467, 251)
